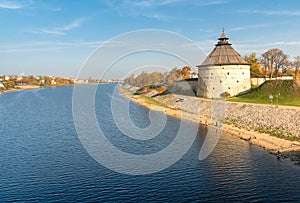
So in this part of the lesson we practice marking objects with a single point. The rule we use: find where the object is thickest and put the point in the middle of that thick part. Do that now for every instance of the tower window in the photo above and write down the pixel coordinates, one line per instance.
(212, 74)
(228, 73)
(229, 88)
(237, 81)
(220, 81)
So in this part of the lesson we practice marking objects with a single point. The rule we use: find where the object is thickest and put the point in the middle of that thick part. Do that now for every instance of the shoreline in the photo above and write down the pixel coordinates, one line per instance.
(274, 145)
(21, 88)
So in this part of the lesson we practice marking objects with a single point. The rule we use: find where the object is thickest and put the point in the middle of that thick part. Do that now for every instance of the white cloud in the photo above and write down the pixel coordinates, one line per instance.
(37, 46)
(53, 32)
(148, 3)
(151, 8)
(155, 3)
(62, 29)
(249, 27)
(76, 23)
(10, 5)
(210, 3)
(272, 12)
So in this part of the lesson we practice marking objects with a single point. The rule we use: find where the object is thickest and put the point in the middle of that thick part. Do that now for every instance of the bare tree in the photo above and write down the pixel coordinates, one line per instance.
(267, 61)
(274, 60)
(174, 74)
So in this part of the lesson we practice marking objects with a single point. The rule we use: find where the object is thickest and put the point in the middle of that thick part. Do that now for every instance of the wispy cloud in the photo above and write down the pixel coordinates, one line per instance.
(155, 3)
(61, 30)
(254, 26)
(148, 3)
(154, 9)
(270, 44)
(210, 3)
(37, 46)
(259, 48)
(272, 12)
(76, 23)
(240, 28)
(11, 5)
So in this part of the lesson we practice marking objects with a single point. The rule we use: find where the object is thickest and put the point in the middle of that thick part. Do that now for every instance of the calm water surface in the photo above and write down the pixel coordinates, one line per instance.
(42, 159)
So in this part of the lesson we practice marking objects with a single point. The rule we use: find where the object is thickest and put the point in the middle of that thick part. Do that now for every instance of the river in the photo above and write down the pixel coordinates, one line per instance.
(42, 158)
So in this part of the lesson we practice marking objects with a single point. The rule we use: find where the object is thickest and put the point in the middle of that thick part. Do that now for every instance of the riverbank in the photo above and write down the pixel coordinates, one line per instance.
(21, 88)
(259, 125)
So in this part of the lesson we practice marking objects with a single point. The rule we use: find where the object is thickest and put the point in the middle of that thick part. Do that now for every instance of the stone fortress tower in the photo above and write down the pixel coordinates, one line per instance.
(223, 72)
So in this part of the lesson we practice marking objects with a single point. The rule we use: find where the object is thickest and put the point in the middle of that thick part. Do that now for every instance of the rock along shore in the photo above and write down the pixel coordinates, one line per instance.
(261, 125)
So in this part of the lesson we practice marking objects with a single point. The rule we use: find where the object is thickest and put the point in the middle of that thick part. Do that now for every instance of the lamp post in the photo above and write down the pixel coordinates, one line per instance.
(277, 99)
(271, 99)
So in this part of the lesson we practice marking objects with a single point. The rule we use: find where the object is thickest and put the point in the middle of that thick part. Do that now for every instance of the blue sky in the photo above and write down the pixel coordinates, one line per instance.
(56, 37)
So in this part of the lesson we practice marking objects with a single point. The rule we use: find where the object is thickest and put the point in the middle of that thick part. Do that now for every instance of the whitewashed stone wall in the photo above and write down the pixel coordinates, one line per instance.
(216, 80)
(259, 81)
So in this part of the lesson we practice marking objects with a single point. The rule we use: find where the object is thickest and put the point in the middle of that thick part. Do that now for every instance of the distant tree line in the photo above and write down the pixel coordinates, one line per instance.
(159, 78)
(273, 63)
(14, 80)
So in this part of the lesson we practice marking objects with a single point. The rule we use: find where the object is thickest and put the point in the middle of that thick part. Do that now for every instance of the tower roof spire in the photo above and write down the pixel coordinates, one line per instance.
(223, 54)
(223, 36)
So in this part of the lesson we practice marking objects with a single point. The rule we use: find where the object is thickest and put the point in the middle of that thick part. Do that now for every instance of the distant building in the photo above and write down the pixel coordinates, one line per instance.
(1, 84)
(223, 72)
(53, 82)
(81, 81)
(194, 75)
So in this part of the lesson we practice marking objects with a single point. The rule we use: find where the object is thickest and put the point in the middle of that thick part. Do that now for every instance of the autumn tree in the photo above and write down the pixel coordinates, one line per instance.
(255, 68)
(9, 84)
(186, 72)
(158, 78)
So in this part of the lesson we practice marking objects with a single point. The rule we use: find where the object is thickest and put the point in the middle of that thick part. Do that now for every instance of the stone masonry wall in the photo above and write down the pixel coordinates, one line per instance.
(282, 121)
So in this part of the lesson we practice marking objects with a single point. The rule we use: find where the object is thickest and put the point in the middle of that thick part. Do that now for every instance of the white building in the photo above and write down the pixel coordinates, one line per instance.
(1, 84)
(223, 72)
(53, 82)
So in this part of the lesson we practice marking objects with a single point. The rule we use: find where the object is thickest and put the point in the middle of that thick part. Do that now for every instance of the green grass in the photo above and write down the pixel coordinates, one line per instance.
(277, 132)
(289, 93)
(152, 101)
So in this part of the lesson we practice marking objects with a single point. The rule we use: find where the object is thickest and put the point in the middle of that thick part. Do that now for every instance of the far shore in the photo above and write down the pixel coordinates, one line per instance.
(274, 145)
(18, 88)
(21, 88)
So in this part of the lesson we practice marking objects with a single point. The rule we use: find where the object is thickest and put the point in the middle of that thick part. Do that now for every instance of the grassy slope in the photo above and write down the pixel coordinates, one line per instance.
(289, 93)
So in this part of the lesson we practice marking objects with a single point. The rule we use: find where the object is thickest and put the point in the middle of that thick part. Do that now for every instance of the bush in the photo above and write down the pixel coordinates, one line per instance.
(225, 95)
(9, 84)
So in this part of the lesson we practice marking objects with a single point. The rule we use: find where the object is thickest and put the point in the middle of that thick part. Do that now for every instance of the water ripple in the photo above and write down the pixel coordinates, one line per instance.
(42, 159)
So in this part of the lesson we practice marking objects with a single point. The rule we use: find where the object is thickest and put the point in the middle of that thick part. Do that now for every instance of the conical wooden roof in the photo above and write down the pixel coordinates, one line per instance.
(223, 54)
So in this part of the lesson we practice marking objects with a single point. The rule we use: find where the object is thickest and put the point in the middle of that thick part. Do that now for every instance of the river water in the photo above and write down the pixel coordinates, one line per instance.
(42, 159)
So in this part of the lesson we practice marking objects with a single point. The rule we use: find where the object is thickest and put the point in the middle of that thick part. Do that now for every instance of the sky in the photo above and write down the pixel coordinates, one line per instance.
(60, 37)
